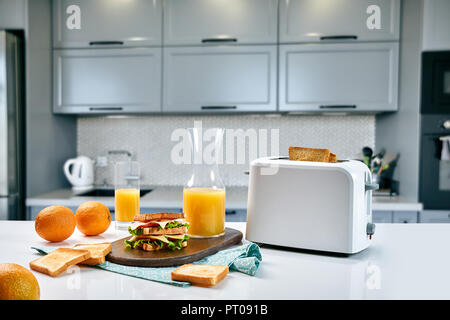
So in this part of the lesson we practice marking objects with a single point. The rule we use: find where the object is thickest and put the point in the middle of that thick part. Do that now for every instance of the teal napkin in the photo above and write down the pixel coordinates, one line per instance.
(245, 259)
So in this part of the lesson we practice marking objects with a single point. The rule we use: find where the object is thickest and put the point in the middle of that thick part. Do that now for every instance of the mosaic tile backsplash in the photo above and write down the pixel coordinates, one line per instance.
(148, 138)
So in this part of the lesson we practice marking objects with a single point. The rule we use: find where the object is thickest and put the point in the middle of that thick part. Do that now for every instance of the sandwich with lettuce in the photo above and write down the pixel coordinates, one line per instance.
(157, 231)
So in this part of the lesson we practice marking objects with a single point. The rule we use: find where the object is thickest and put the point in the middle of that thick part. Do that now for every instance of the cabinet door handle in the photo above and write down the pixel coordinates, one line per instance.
(206, 40)
(105, 109)
(218, 107)
(105, 43)
(339, 37)
(338, 106)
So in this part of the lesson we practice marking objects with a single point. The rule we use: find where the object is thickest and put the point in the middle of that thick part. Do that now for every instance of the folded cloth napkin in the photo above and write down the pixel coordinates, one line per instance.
(245, 258)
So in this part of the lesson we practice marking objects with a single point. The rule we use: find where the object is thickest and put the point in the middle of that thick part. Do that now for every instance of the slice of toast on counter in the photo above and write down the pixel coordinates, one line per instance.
(59, 260)
(98, 252)
(309, 154)
(198, 274)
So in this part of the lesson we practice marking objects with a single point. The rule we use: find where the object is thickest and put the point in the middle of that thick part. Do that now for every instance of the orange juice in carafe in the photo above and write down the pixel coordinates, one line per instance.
(205, 211)
(204, 193)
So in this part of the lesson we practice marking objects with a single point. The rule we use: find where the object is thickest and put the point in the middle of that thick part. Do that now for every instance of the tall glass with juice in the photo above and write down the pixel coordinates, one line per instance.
(126, 195)
(204, 194)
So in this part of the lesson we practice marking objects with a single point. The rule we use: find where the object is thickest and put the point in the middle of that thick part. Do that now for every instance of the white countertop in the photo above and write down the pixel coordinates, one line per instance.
(172, 197)
(405, 261)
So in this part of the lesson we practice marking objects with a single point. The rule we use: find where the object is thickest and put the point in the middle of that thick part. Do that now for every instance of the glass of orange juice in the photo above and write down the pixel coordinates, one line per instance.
(204, 194)
(126, 195)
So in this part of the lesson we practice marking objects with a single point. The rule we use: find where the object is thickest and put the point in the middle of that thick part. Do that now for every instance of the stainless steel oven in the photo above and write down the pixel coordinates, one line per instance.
(434, 191)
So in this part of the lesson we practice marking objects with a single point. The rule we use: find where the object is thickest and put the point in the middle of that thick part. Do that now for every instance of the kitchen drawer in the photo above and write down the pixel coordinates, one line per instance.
(195, 22)
(107, 23)
(337, 20)
(338, 77)
(405, 217)
(434, 216)
(107, 80)
(382, 216)
(220, 79)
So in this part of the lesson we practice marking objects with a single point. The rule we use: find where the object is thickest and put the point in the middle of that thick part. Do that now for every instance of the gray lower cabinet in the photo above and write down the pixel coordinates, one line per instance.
(338, 77)
(343, 20)
(395, 217)
(12, 14)
(435, 216)
(100, 23)
(124, 80)
(193, 22)
(382, 216)
(220, 79)
(236, 215)
(406, 217)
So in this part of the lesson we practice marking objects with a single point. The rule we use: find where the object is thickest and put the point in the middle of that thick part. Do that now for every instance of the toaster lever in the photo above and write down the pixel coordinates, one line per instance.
(370, 229)
(372, 186)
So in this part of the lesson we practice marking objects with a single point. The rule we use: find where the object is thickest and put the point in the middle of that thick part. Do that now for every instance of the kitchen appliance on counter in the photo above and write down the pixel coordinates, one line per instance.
(310, 205)
(12, 187)
(80, 173)
(434, 190)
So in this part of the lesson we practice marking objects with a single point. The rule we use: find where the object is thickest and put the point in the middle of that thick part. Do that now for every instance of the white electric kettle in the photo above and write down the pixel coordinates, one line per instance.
(80, 172)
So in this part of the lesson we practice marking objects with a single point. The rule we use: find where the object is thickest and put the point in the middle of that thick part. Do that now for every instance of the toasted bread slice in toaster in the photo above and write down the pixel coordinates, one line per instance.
(309, 154)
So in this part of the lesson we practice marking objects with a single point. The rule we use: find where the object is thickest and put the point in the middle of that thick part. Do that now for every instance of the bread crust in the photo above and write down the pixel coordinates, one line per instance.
(147, 217)
(203, 275)
(98, 252)
(59, 260)
(332, 158)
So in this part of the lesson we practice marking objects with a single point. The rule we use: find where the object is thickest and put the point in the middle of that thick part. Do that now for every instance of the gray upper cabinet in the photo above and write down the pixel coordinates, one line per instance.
(339, 20)
(12, 14)
(218, 79)
(436, 25)
(88, 23)
(193, 22)
(107, 80)
(338, 77)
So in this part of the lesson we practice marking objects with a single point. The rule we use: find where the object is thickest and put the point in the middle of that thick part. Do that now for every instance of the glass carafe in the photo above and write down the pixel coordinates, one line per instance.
(204, 193)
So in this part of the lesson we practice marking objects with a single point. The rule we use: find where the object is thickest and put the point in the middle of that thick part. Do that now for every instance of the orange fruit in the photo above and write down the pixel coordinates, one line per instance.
(55, 223)
(92, 218)
(17, 283)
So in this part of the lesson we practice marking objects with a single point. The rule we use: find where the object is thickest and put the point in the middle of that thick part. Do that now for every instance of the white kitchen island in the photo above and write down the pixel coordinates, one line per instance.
(405, 261)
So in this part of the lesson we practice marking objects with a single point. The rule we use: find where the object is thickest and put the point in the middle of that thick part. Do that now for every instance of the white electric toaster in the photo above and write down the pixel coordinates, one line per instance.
(310, 205)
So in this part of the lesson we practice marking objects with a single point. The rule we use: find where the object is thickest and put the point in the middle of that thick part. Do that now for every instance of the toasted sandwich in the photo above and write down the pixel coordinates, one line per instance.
(156, 231)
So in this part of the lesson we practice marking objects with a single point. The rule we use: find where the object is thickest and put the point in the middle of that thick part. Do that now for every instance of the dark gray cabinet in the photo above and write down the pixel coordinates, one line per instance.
(107, 80)
(338, 77)
(343, 20)
(193, 22)
(106, 23)
(220, 79)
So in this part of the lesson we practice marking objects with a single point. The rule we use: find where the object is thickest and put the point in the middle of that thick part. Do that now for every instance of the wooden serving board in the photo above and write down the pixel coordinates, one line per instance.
(195, 250)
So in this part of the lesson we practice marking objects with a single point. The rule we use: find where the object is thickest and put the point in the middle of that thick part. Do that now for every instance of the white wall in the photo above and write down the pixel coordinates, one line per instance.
(50, 139)
(400, 131)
